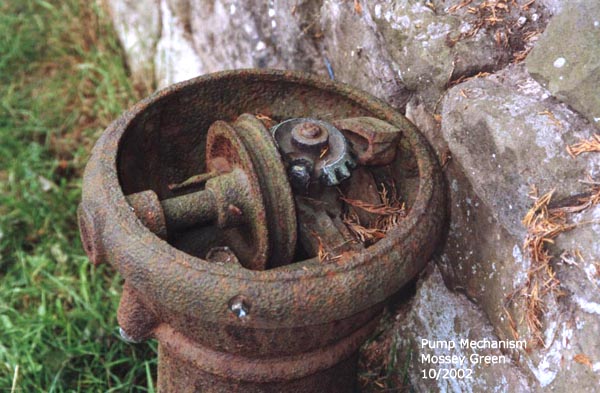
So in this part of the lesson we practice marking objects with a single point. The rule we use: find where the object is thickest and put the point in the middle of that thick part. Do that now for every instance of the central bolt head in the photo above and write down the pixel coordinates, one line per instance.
(310, 136)
(309, 130)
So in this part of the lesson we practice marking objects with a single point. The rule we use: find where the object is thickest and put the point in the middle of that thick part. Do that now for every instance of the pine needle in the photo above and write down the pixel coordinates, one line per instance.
(583, 359)
(380, 209)
(543, 226)
(322, 254)
(585, 146)
(552, 118)
(458, 6)
(390, 213)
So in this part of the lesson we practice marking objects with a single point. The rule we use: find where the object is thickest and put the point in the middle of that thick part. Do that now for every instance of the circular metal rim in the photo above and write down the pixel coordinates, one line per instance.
(303, 293)
(277, 196)
(256, 213)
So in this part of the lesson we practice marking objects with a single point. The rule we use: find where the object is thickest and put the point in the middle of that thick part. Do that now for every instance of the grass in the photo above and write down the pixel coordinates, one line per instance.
(62, 80)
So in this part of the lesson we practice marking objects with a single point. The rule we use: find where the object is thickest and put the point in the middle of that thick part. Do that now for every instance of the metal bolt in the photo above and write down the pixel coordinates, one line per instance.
(309, 130)
(320, 143)
(310, 136)
(239, 307)
(299, 175)
(222, 255)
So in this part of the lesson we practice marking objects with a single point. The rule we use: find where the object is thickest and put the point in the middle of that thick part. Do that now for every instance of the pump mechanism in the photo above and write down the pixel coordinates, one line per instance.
(252, 174)
(260, 220)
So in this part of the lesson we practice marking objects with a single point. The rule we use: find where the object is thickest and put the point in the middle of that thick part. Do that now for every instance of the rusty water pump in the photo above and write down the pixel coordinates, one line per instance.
(244, 211)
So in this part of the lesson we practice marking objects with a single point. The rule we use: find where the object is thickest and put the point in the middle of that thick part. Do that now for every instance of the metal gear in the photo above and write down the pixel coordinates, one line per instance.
(313, 150)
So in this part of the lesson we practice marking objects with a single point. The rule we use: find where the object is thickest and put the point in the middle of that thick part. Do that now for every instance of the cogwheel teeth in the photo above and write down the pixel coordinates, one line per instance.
(334, 173)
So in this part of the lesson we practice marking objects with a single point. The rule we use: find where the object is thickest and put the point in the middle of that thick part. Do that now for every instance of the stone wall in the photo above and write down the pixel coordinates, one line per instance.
(500, 88)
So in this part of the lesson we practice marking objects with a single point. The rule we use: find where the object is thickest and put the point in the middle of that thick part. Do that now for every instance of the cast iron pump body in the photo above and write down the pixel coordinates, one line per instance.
(250, 215)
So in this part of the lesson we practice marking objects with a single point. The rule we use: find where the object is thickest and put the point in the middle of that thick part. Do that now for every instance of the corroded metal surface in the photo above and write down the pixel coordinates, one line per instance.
(222, 327)
(372, 139)
(246, 191)
(274, 186)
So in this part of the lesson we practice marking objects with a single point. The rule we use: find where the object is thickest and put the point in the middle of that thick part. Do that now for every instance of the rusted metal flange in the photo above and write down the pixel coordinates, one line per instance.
(276, 192)
(222, 327)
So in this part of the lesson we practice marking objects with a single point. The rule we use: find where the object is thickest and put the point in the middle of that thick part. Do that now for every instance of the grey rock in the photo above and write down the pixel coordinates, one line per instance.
(553, 6)
(437, 323)
(175, 58)
(409, 47)
(138, 26)
(481, 257)
(226, 35)
(417, 40)
(393, 50)
(508, 135)
(503, 139)
(566, 58)
(579, 273)
(352, 39)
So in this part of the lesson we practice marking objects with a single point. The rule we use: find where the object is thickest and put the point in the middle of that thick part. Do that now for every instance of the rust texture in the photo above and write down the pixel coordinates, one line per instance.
(372, 139)
(237, 298)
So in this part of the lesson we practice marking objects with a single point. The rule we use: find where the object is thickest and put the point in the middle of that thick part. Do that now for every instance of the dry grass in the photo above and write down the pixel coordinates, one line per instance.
(389, 212)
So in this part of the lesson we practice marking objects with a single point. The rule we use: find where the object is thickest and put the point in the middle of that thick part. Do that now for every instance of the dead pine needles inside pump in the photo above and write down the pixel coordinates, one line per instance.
(389, 213)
